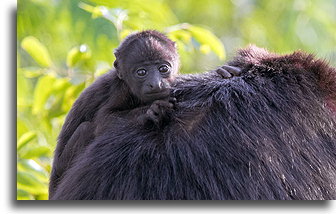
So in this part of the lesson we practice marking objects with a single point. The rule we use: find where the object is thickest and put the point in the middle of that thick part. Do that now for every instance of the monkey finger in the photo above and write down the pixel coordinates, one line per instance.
(235, 71)
(153, 111)
(163, 104)
(152, 116)
(224, 73)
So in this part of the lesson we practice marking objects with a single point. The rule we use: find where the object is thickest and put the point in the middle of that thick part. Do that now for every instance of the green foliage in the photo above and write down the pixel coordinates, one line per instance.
(78, 55)
(36, 50)
(64, 45)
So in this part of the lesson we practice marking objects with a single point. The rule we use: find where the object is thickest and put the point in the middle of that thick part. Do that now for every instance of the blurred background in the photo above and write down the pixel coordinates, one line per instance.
(63, 46)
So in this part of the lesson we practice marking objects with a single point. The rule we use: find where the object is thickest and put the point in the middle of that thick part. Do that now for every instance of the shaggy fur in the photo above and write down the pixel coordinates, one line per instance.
(118, 91)
(269, 134)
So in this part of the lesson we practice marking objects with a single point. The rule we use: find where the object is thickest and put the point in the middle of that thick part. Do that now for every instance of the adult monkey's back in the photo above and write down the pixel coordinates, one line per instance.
(269, 134)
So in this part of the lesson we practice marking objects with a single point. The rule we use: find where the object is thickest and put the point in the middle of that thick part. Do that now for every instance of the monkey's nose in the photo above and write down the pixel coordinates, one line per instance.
(155, 87)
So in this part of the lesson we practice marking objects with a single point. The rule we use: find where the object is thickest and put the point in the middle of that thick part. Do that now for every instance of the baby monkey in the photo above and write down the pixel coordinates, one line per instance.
(147, 63)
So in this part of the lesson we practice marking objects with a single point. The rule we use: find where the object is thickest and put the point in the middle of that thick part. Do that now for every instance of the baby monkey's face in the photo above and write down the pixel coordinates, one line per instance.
(149, 76)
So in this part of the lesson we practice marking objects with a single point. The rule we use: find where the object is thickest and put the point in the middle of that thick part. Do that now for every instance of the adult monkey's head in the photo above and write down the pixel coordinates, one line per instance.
(148, 63)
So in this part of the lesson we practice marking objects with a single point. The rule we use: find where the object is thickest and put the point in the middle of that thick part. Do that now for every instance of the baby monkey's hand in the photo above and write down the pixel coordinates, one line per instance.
(159, 112)
(227, 71)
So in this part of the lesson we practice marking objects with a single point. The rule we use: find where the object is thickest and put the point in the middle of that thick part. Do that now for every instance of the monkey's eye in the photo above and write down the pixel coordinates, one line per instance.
(141, 72)
(163, 68)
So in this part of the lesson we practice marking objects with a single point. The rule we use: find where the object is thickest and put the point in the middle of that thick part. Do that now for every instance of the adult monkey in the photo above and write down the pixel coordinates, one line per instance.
(137, 89)
(269, 134)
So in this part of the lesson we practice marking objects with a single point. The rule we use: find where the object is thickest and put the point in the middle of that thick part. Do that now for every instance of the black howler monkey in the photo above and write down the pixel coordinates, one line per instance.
(139, 89)
(268, 134)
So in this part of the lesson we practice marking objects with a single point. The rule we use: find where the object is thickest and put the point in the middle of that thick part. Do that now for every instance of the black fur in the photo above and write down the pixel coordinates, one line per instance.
(268, 134)
(119, 91)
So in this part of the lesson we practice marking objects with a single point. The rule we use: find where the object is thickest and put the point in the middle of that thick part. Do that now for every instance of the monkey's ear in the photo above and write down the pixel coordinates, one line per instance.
(116, 66)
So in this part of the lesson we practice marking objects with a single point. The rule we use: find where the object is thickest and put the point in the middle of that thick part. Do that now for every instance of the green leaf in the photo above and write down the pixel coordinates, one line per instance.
(25, 139)
(137, 15)
(37, 51)
(31, 166)
(29, 183)
(42, 197)
(180, 34)
(23, 195)
(61, 84)
(22, 127)
(35, 152)
(24, 97)
(95, 11)
(77, 55)
(205, 49)
(33, 72)
(41, 93)
(207, 41)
